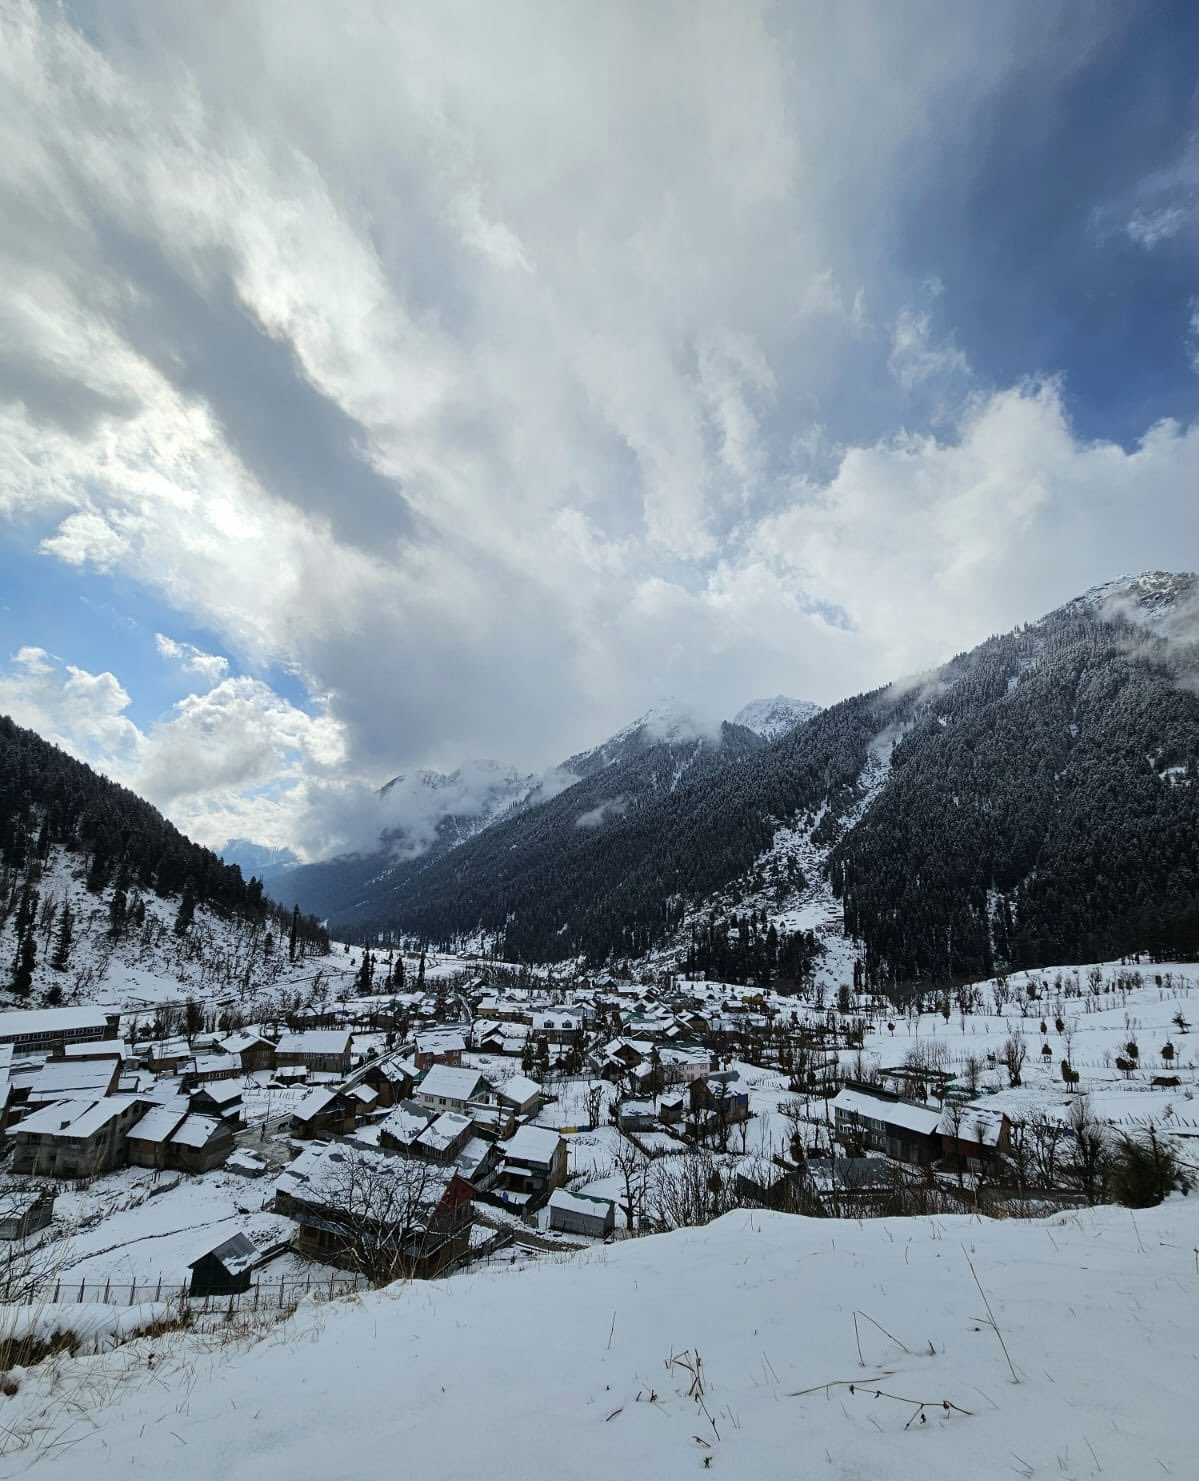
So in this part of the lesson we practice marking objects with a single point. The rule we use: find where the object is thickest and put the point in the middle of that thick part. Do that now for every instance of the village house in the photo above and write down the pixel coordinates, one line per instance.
(76, 1138)
(718, 1099)
(44, 1030)
(379, 1215)
(534, 1165)
(392, 1079)
(521, 1093)
(446, 1088)
(972, 1134)
(221, 1098)
(164, 1056)
(580, 1213)
(869, 1119)
(205, 1068)
(557, 1027)
(318, 1050)
(200, 1144)
(170, 1136)
(636, 1115)
(68, 1079)
(479, 1162)
(443, 1139)
(403, 1124)
(440, 1047)
(253, 1050)
(324, 1112)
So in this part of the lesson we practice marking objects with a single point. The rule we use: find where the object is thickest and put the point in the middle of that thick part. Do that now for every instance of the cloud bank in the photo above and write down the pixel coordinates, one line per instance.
(495, 371)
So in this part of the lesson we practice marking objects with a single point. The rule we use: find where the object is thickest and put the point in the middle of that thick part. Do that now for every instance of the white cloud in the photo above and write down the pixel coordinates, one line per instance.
(193, 660)
(493, 398)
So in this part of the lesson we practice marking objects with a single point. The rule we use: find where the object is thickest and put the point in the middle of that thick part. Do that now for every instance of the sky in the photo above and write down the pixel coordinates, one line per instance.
(387, 385)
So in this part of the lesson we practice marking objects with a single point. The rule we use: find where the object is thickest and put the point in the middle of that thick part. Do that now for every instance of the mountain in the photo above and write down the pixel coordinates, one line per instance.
(572, 812)
(1031, 800)
(101, 896)
(257, 860)
(771, 718)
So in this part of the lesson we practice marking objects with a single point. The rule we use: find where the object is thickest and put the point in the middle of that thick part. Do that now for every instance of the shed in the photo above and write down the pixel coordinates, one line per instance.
(225, 1270)
(579, 1213)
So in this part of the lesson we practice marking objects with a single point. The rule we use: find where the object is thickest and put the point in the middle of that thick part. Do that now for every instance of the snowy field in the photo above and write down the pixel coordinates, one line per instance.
(587, 1369)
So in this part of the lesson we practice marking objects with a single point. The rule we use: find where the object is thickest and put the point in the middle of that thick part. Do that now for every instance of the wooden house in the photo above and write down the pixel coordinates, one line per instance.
(76, 1138)
(225, 1270)
(325, 1050)
(869, 1119)
(439, 1047)
(534, 1165)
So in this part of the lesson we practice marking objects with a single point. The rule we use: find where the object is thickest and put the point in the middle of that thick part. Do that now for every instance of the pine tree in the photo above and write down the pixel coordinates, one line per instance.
(23, 965)
(118, 912)
(294, 934)
(420, 972)
(187, 909)
(62, 947)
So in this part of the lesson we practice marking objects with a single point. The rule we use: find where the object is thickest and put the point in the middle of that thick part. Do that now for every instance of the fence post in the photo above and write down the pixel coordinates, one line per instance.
(81, 1285)
(158, 1289)
(107, 1283)
(132, 1292)
(57, 1284)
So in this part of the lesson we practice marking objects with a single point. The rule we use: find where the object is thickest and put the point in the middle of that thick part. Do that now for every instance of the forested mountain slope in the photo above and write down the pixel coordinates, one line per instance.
(100, 894)
(1032, 800)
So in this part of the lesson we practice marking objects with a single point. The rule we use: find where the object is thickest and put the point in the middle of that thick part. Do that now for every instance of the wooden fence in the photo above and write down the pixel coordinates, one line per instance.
(267, 1295)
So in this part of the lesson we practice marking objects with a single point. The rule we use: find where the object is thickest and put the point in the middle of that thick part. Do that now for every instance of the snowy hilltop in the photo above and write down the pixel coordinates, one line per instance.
(771, 718)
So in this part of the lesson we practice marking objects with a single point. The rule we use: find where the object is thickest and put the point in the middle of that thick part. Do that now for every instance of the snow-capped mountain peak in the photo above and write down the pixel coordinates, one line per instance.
(771, 718)
(1161, 600)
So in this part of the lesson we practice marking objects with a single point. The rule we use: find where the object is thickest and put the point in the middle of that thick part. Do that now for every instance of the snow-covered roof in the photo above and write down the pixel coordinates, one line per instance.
(97, 1049)
(236, 1255)
(443, 1132)
(406, 1123)
(316, 1041)
(312, 1104)
(440, 1042)
(216, 1064)
(581, 1203)
(920, 1119)
(519, 1089)
(450, 1082)
(82, 1118)
(532, 1144)
(972, 1123)
(159, 1123)
(196, 1131)
(20, 1023)
(59, 1079)
(220, 1092)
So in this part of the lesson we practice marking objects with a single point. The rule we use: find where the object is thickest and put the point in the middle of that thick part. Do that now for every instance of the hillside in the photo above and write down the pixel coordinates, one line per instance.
(102, 899)
(826, 1348)
(1031, 800)
(519, 854)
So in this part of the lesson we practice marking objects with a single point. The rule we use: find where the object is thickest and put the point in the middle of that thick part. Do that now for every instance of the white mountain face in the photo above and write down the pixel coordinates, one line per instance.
(771, 718)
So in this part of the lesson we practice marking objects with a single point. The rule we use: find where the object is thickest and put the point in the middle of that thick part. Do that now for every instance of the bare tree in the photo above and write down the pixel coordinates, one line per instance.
(633, 1165)
(1089, 1150)
(1045, 1135)
(1015, 1052)
(383, 1216)
(595, 1102)
(687, 1190)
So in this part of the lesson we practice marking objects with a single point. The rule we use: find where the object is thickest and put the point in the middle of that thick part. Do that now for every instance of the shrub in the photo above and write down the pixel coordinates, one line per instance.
(1143, 1170)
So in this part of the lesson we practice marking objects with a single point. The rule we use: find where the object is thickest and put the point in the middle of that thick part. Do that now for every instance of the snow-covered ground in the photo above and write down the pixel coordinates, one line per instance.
(822, 1348)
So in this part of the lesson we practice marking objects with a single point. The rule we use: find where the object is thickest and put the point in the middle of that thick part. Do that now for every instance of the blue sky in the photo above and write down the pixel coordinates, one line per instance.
(454, 384)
